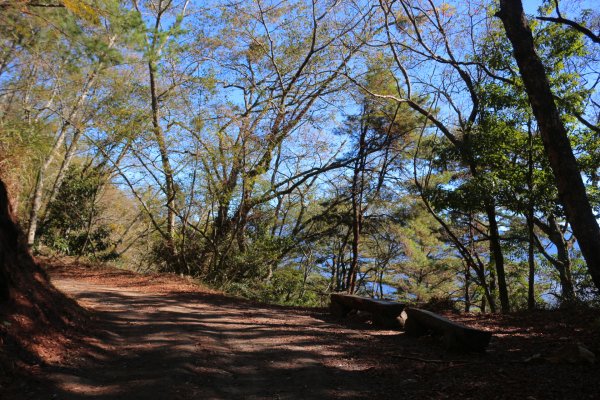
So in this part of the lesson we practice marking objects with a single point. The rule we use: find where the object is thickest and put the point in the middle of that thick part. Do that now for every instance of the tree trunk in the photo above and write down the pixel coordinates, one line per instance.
(562, 262)
(38, 191)
(357, 211)
(489, 290)
(531, 234)
(479, 268)
(164, 157)
(531, 262)
(341, 263)
(497, 257)
(571, 189)
(467, 287)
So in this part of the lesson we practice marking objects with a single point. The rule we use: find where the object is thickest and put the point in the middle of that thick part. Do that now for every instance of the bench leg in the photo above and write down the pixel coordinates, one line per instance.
(414, 328)
(338, 310)
(387, 321)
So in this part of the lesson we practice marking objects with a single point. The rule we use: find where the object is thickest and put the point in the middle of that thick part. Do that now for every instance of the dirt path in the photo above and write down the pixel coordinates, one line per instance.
(200, 346)
(160, 337)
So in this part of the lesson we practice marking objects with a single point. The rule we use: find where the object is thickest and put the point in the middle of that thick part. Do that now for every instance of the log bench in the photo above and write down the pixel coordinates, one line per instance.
(385, 313)
(457, 337)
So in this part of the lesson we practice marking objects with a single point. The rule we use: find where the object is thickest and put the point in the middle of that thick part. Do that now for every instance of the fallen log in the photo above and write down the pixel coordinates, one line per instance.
(385, 313)
(457, 337)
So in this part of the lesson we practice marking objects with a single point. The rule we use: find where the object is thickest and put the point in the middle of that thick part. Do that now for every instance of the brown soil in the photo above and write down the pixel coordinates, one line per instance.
(162, 337)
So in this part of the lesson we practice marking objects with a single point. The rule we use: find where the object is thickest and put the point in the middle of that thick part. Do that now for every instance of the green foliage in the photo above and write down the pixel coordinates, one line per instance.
(288, 286)
(71, 225)
(427, 267)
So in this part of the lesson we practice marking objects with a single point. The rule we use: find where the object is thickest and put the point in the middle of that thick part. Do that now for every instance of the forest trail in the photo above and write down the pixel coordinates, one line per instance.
(201, 346)
(162, 337)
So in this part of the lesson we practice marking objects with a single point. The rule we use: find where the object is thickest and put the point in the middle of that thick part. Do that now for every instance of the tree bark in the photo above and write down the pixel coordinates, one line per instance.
(164, 156)
(530, 261)
(571, 189)
(467, 287)
(530, 232)
(562, 262)
(497, 257)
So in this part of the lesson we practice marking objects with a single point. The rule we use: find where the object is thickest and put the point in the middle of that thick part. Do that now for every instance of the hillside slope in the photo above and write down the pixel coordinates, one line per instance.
(38, 323)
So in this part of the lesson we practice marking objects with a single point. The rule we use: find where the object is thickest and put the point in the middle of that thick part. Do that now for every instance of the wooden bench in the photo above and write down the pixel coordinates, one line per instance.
(457, 337)
(385, 313)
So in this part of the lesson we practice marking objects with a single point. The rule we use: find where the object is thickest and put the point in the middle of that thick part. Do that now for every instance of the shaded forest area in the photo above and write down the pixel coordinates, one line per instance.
(423, 151)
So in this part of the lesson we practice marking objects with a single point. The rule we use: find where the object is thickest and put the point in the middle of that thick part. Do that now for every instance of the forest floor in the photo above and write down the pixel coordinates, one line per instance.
(162, 337)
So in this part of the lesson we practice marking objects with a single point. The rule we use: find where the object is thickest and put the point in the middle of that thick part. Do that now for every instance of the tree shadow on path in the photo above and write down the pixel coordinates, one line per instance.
(187, 345)
(197, 346)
